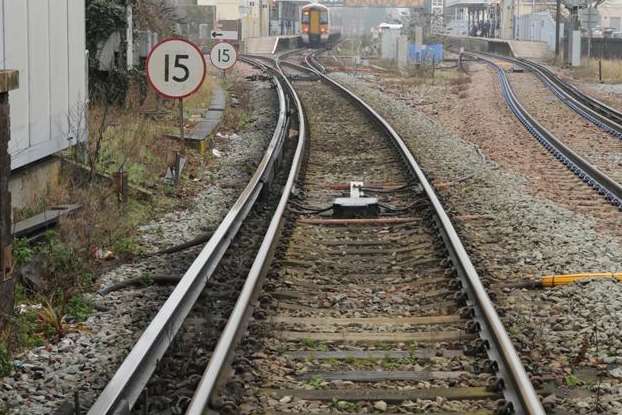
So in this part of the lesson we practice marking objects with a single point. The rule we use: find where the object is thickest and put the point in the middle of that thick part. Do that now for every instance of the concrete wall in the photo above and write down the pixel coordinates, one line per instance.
(227, 9)
(255, 22)
(507, 19)
(478, 44)
(27, 186)
(45, 41)
(538, 27)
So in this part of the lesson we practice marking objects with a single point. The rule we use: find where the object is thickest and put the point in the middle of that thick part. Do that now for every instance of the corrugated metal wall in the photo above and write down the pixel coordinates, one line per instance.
(539, 26)
(45, 41)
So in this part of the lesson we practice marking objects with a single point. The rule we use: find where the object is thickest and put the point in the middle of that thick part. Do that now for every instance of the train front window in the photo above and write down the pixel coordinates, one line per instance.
(324, 18)
(305, 17)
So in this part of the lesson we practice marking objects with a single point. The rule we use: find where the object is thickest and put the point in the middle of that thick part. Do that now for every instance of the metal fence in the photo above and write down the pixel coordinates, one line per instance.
(606, 48)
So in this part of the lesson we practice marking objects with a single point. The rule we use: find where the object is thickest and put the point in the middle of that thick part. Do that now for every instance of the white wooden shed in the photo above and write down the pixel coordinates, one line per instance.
(45, 41)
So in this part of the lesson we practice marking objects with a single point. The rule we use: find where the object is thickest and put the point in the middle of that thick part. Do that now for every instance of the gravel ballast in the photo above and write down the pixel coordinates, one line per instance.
(597, 146)
(512, 235)
(45, 379)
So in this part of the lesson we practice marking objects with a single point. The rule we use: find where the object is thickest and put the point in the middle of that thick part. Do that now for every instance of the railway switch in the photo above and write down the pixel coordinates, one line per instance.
(357, 205)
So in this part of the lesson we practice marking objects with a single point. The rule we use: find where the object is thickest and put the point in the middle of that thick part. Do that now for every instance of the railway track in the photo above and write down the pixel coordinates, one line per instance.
(381, 312)
(160, 340)
(593, 110)
(595, 173)
(368, 304)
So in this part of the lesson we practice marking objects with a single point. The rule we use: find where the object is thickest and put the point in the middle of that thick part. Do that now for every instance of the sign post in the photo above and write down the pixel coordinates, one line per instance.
(176, 69)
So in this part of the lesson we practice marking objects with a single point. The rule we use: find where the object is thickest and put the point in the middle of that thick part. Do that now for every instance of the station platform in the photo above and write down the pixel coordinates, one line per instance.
(515, 48)
(271, 44)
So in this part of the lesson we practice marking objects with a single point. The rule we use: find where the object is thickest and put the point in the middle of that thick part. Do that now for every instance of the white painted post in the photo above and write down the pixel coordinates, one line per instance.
(402, 51)
(575, 48)
(129, 36)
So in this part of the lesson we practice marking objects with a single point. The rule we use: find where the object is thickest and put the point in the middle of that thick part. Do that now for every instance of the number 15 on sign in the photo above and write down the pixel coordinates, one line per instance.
(223, 55)
(176, 69)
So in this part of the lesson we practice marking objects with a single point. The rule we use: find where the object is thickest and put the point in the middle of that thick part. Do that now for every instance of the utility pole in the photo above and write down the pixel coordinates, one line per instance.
(9, 80)
(558, 13)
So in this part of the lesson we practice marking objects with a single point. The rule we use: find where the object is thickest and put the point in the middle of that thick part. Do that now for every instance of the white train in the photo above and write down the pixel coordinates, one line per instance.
(320, 25)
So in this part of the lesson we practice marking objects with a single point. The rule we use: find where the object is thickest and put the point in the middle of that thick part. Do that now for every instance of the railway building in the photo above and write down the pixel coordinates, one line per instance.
(45, 41)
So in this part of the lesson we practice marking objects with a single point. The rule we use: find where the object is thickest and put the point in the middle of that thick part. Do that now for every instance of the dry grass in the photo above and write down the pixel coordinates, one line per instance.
(202, 98)
(132, 144)
(236, 117)
(612, 70)
(133, 138)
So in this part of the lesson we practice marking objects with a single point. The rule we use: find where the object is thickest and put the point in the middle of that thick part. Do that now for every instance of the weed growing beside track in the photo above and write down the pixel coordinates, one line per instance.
(104, 231)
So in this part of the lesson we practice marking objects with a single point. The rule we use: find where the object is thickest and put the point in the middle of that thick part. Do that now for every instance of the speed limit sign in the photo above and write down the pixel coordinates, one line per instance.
(223, 55)
(175, 68)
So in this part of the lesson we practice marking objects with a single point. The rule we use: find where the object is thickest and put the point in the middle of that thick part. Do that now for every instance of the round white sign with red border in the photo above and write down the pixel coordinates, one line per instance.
(223, 55)
(176, 68)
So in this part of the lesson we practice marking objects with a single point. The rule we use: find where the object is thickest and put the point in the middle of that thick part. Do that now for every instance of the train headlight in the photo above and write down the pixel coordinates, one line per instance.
(305, 29)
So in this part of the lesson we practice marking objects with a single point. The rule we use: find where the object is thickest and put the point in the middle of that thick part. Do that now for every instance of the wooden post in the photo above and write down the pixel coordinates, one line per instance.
(9, 80)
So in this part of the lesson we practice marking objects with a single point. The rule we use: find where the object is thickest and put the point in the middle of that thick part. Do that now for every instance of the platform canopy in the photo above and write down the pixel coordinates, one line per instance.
(470, 3)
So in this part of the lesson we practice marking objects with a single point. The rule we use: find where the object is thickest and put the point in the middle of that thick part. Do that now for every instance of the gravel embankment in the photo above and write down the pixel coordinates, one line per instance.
(513, 234)
(474, 110)
(45, 379)
(609, 93)
(597, 146)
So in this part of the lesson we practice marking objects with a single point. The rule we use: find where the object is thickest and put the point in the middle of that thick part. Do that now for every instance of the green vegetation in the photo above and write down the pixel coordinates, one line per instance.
(572, 380)
(5, 361)
(64, 275)
(28, 333)
(315, 382)
(390, 363)
(313, 344)
(345, 405)
(127, 246)
(79, 307)
(22, 252)
(147, 278)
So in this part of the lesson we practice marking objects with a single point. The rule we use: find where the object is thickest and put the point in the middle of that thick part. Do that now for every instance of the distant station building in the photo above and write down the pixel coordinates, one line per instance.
(472, 17)
(45, 41)
(285, 16)
(435, 9)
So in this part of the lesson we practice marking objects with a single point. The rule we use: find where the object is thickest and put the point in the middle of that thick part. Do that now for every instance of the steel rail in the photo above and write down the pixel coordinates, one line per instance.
(591, 175)
(593, 110)
(517, 389)
(519, 392)
(216, 372)
(610, 118)
(121, 393)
